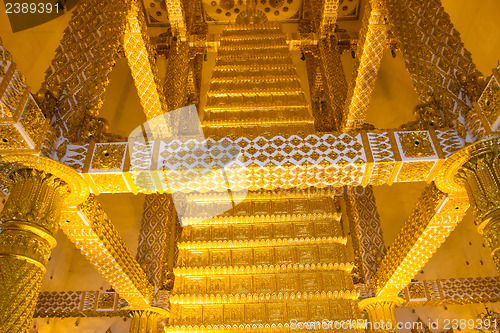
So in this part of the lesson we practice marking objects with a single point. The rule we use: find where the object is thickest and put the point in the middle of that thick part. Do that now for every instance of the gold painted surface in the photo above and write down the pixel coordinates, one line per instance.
(416, 144)
(480, 175)
(270, 107)
(452, 291)
(89, 228)
(22, 123)
(327, 83)
(29, 219)
(177, 74)
(87, 303)
(441, 67)
(285, 162)
(430, 223)
(141, 59)
(366, 232)
(159, 226)
(381, 314)
(176, 16)
(489, 101)
(371, 46)
(266, 261)
(82, 63)
(145, 320)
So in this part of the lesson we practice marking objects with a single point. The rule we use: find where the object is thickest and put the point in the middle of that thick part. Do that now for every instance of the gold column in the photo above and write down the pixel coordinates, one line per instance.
(381, 314)
(146, 320)
(480, 175)
(29, 220)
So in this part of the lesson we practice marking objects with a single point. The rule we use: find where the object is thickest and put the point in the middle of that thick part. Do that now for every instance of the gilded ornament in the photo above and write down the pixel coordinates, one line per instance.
(416, 144)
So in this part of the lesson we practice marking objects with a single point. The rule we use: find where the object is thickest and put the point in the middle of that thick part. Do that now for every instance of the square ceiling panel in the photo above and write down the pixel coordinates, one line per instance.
(226, 11)
(349, 9)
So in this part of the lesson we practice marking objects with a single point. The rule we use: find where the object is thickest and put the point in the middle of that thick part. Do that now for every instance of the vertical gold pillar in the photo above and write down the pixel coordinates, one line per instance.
(146, 320)
(381, 314)
(481, 178)
(29, 220)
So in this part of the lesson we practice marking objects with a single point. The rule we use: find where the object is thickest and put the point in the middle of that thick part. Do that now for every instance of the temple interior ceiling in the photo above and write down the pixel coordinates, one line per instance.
(225, 11)
(392, 104)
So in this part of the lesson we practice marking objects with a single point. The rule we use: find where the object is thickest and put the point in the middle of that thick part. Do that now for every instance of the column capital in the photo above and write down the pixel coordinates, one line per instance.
(381, 315)
(447, 180)
(145, 319)
(38, 188)
(475, 169)
(380, 301)
(77, 188)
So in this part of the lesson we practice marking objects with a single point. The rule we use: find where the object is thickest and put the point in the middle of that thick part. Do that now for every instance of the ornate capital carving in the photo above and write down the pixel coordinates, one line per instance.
(28, 221)
(476, 170)
(382, 317)
(481, 177)
(146, 319)
(35, 201)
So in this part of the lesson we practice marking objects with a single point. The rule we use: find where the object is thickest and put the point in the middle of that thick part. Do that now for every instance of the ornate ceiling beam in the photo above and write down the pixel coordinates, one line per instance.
(177, 19)
(296, 41)
(327, 84)
(85, 304)
(23, 126)
(79, 72)
(80, 304)
(441, 68)
(157, 249)
(89, 228)
(329, 14)
(431, 222)
(366, 233)
(452, 291)
(371, 46)
(419, 293)
(329, 160)
(141, 59)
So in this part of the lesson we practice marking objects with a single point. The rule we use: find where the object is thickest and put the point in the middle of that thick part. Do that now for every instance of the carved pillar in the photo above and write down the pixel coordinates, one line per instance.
(480, 175)
(177, 75)
(29, 220)
(146, 320)
(381, 314)
(157, 250)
